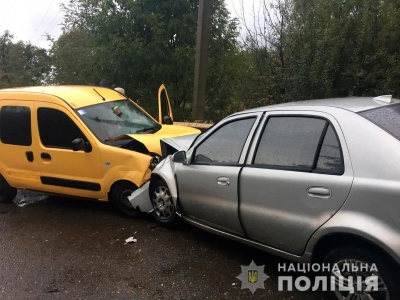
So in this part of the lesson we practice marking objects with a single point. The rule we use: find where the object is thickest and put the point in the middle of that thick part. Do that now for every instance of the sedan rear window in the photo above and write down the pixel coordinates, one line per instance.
(386, 117)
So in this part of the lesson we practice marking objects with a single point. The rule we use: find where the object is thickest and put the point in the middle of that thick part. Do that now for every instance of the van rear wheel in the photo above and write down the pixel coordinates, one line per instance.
(119, 199)
(7, 192)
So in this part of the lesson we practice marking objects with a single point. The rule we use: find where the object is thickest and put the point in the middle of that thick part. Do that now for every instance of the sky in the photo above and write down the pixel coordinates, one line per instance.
(31, 20)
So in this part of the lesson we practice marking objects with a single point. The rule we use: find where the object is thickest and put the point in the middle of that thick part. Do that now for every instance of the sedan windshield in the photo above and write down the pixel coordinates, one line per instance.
(111, 119)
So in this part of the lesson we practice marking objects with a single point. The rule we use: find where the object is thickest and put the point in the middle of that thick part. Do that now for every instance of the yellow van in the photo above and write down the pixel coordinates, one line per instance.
(80, 141)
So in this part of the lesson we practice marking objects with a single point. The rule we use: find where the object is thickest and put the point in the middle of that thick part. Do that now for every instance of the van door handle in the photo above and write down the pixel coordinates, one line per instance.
(29, 156)
(45, 156)
(319, 192)
(223, 181)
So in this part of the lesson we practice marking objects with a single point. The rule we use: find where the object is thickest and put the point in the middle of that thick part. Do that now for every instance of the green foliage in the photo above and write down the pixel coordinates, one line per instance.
(22, 64)
(317, 49)
(301, 49)
(139, 44)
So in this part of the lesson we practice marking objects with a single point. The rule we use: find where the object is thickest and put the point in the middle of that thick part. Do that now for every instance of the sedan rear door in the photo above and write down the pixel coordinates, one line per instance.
(297, 177)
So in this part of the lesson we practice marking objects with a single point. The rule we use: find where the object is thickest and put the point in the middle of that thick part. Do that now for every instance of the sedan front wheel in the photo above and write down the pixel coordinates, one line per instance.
(164, 211)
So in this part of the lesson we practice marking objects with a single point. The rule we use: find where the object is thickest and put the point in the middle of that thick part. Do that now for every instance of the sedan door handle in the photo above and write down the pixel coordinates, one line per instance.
(223, 181)
(319, 192)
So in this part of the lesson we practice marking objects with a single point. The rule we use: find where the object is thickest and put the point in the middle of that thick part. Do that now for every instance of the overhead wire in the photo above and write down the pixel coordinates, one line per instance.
(47, 10)
(51, 25)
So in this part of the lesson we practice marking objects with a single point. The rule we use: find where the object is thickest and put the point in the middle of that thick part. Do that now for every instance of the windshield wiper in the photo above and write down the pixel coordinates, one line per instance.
(152, 129)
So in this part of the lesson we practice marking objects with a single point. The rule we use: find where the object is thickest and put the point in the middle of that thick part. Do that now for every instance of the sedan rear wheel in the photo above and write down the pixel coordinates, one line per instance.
(360, 274)
(164, 209)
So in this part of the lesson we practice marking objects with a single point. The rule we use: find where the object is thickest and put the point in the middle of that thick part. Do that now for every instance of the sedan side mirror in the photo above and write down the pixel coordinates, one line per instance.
(180, 157)
(79, 144)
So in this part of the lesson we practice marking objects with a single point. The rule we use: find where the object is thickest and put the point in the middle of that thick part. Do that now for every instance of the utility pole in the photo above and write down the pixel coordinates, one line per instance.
(200, 72)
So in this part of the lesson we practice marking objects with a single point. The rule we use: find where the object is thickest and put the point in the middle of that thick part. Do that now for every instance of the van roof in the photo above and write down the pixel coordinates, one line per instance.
(76, 96)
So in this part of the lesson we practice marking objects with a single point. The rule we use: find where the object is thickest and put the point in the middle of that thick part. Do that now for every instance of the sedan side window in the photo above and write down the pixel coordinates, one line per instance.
(226, 144)
(305, 144)
(330, 160)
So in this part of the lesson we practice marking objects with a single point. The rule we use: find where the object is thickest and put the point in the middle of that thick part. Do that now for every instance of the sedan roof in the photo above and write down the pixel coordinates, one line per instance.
(354, 104)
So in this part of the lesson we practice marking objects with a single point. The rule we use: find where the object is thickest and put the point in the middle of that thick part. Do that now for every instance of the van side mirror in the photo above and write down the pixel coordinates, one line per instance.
(180, 157)
(79, 144)
(167, 120)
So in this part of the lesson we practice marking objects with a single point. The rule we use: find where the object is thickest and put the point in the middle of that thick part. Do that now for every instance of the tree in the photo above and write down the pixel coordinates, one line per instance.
(308, 49)
(142, 43)
(21, 64)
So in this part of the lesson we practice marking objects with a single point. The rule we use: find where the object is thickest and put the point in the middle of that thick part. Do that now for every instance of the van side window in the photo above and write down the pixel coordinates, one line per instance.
(56, 129)
(15, 125)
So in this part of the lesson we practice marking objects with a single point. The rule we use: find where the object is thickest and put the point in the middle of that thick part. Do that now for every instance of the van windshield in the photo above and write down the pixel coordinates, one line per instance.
(110, 119)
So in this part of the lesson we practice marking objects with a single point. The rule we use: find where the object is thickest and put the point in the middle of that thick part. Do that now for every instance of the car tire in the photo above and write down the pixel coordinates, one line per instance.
(120, 202)
(7, 192)
(164, 211)
(387, 273)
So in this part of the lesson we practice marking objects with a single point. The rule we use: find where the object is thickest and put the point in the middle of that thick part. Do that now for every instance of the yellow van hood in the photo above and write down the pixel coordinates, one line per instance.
(152, 140)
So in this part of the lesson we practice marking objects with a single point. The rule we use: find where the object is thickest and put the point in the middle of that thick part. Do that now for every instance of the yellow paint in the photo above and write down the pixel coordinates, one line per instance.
(104, 164)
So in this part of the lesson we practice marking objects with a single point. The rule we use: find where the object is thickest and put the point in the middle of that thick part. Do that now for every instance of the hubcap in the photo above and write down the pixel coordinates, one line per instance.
(345, 279)
(162, 203)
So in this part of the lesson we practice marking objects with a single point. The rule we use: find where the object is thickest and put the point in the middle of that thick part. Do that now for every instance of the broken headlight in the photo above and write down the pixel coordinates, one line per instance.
(154, 162)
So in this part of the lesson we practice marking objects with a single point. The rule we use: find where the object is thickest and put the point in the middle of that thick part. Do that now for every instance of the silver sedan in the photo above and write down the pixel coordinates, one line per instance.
(314, 181)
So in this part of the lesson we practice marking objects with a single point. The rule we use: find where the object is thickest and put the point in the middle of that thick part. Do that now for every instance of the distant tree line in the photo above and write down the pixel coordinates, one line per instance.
(302, 49)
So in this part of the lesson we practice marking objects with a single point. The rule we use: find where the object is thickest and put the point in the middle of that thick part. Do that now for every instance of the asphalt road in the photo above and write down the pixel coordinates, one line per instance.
(61, 248)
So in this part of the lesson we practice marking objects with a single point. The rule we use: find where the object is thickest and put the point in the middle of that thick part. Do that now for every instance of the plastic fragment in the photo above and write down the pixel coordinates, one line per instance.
(131, 240)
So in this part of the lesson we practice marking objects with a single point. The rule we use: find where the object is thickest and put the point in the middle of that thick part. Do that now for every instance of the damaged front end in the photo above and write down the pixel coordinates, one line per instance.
(164, 170)
(140, 199)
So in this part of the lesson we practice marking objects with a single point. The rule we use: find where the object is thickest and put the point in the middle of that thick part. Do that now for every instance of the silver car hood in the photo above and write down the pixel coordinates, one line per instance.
(180, 143)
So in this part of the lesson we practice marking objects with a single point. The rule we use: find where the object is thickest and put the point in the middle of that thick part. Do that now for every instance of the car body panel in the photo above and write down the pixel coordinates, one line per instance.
(164, 105)
(179, 143)
(61, 170)
(17, 165)
(355, 206)
(211, 201)
(267, 202)
(152, 142)
(214, 200)
(76, 96)
(140, 198)
(353, 104)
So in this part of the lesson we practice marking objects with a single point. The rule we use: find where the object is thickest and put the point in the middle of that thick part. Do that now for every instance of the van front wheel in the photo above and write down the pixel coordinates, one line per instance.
(119, 199)
(7, 192)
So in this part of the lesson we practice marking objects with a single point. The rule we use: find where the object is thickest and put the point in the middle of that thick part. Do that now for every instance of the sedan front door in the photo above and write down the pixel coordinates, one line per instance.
(208, 186)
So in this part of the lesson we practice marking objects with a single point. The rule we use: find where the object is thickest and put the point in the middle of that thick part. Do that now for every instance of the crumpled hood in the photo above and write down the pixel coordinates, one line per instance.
(180, 143)
(152, 140)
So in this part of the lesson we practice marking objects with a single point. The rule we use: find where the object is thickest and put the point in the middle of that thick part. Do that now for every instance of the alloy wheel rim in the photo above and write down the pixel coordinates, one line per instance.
(358, 281)
(162, 203)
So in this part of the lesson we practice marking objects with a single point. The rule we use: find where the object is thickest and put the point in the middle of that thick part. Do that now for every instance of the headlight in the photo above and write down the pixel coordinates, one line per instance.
(154, 162)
